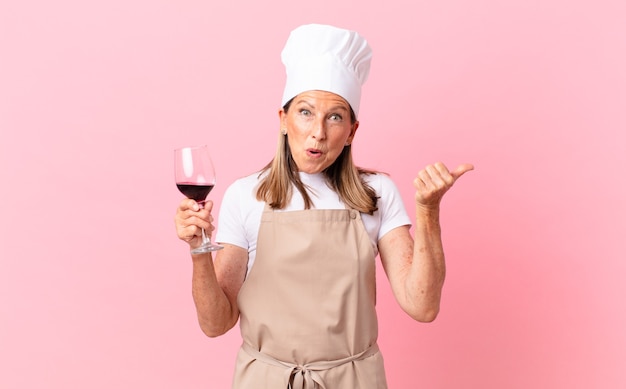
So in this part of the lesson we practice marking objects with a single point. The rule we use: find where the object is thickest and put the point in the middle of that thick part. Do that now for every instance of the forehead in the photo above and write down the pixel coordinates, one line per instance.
(321, 98)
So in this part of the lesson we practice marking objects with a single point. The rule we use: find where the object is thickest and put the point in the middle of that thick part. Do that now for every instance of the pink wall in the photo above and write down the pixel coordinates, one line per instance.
(95, 95)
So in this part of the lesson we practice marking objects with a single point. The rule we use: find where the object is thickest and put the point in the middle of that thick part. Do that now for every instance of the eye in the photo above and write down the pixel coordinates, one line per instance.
(335, 117)
(305, 112)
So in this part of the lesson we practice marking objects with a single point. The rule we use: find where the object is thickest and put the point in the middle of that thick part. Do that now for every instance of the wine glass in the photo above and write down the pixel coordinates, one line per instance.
(195, 177)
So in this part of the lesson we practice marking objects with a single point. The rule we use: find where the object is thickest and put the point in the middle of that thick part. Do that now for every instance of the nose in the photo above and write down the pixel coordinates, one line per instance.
(319, 129)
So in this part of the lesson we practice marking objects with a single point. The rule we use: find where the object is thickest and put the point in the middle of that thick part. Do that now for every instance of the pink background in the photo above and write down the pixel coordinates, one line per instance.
(95, 95)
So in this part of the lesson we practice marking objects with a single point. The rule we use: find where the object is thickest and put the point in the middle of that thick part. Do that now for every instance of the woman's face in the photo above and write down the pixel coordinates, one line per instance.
(318, 127)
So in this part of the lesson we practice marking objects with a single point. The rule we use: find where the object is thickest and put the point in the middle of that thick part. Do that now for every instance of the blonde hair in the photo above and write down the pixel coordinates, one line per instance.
(343, 176)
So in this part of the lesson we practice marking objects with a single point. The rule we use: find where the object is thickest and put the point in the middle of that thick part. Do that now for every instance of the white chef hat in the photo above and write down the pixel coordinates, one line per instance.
(321, 57)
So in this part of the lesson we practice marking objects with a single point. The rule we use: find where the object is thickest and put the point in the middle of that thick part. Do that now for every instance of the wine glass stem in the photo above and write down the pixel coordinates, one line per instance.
(206, 241)
(205, 238)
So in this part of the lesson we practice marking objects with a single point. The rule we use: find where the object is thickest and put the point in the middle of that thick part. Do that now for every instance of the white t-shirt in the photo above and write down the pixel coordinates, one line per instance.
(240, 211)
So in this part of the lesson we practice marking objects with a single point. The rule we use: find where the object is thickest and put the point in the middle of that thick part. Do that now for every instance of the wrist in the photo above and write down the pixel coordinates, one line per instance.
(427, 211)
(204, 259)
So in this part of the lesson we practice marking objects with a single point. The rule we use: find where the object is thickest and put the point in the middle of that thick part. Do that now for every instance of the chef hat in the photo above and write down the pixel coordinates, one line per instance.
(320, 57)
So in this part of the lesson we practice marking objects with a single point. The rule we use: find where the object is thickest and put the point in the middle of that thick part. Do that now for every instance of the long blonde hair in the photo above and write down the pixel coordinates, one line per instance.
(343, 176)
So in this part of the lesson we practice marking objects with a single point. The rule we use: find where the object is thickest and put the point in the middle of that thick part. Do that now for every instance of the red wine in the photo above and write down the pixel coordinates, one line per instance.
(198, 192)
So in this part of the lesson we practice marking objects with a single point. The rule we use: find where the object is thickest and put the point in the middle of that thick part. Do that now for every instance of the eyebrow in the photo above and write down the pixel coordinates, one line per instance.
(335, 107)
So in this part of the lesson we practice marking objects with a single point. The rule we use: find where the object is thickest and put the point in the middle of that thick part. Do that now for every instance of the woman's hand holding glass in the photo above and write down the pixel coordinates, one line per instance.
(195, 178)
(191, 219)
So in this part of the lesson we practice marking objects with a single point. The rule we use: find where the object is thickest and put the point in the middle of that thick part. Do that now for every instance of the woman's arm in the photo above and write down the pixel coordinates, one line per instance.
(416, 266)
(215, 284)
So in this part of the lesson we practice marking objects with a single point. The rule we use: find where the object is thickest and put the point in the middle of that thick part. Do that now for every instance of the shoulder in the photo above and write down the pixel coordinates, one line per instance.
(380, 182)
(391, 207)
(240, 213)
(249, 180)
(244, 186)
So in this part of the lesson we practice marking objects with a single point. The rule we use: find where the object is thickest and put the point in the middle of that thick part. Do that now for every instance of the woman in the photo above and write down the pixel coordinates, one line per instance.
(300, 238)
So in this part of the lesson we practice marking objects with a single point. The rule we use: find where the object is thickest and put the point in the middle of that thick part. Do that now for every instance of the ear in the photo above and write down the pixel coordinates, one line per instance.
(355, 126)
(282, 117)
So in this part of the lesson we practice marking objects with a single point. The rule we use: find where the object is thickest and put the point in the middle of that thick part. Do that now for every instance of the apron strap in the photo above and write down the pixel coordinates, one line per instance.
(296, 376)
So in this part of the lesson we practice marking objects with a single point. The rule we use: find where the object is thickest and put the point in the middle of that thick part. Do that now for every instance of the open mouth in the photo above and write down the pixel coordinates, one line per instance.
(314, 152)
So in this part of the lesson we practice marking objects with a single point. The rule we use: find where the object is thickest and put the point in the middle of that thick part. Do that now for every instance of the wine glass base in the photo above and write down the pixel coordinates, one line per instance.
(206, 249)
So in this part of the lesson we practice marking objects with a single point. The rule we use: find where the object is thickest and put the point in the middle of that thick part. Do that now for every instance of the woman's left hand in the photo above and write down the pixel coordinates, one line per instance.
(434, 181)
